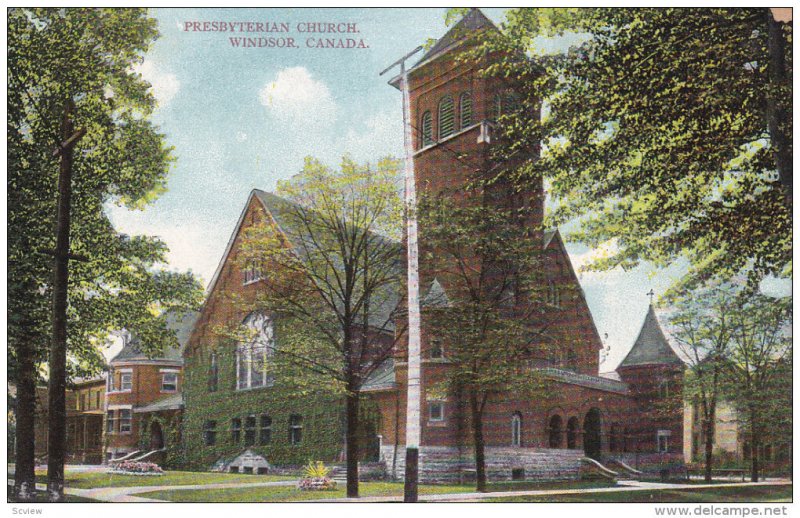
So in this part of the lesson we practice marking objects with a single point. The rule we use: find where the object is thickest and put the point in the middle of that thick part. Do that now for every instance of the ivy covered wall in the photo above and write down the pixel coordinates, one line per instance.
(322, 431)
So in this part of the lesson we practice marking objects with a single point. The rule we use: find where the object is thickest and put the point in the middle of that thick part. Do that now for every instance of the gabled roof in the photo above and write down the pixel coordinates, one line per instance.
(382, 378)
(651, 346)
(384, 302)
(435, 297)
(180, 323)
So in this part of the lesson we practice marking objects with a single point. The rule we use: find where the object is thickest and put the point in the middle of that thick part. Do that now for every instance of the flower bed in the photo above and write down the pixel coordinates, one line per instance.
(128, 467)
(316, 484)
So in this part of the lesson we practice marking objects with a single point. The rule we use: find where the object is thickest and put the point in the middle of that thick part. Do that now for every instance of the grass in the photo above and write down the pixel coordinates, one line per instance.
(292, 494)
(744, 494)
(41, 498)
(94, 479)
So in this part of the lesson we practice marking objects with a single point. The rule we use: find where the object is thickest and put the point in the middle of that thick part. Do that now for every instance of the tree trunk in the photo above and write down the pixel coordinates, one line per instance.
(24, 475)
(755, 443)
(477, 432)
(776, 112)
(708, 430)
(351, 443)
(57, 412)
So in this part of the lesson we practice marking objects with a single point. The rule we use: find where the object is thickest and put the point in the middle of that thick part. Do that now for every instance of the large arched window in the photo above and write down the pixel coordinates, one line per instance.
(252, 355)
(572, 433)
(555, 431)
(516, 429)
(465, 109)
(426, 127)
(447, 117)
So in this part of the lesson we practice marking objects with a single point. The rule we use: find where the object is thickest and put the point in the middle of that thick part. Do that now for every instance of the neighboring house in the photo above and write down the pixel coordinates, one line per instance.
(144, 401)
(85, 401)
(630, 414)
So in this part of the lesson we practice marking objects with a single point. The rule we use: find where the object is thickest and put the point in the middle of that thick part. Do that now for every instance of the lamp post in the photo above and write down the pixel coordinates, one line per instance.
(413, 396)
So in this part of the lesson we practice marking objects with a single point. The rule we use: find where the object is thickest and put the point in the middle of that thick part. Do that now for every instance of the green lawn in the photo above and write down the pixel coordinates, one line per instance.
(292, 494)
(88, 480)
(744, 494)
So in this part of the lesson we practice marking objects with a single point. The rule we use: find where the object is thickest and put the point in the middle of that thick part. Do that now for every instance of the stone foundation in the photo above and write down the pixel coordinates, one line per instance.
(446, 464)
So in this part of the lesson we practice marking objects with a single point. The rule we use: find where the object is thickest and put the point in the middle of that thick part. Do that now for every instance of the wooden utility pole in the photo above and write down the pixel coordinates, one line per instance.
(56, 389)
(413, 396)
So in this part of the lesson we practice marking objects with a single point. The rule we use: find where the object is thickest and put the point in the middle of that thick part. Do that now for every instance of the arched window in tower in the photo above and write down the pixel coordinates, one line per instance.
(427, 129)
(465, 109)
(447, 117)
(252, 355)
(516, 429)
(497, 106)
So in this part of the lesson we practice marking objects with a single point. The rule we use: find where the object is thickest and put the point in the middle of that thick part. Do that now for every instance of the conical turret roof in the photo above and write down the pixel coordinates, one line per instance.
(651, 346)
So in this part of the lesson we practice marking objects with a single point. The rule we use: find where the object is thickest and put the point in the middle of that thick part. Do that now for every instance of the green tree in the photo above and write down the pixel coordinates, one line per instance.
(667, 133)
(702, 326)
(77, 63)
(759, 374)
(484, 304)
(331, 268)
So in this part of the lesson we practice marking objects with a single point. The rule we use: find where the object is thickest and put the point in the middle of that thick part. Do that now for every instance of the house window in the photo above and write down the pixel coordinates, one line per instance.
(97, 399)
(250, 430)
(110, 421)
(169, 381)
(213, 374)
(125, 420)
(436, 411)
(126, 381)
(84, 400)
(251, 358)
(266, 430)
(446, 117)
(427, 129)
(436, 351)
(236, 430)
(210, 433)
(663, 440)
(295, 429)
(663, 389)
(466, 109)
(516, 429)
(253, 272)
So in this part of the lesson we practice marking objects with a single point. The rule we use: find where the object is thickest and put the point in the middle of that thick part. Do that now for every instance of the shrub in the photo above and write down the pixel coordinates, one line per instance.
(128, 467)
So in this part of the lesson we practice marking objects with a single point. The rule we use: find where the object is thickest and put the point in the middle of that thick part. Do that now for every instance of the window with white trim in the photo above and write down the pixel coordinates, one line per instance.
(236, 430)
(169, 381)
(265, 437)
(250, 430)
(295, 429)
(466, 109)
(427, 129)
(110, 428)
(210, 433)
(436, 411)
(213, 373)
(125, 420)
(110, 381)
(516, 429)
(253, 272)
(663, 440)
(126, 381)
(252, 357)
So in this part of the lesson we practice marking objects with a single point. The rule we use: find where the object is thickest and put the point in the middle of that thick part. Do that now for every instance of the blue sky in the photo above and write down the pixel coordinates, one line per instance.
(244, 118)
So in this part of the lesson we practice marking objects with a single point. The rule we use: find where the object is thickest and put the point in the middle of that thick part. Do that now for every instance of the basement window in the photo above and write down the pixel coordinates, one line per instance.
(436, 411)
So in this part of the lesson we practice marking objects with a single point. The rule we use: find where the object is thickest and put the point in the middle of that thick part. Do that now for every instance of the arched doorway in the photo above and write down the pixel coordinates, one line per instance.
(591, 434)
(156, 436)
(555, 431)
(572, 433)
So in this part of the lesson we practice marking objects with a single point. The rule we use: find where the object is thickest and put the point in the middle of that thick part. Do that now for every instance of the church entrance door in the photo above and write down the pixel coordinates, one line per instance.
(156, 436)
(591, 434)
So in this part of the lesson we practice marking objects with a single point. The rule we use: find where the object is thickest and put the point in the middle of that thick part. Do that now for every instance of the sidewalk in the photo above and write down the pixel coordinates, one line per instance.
(624, 485)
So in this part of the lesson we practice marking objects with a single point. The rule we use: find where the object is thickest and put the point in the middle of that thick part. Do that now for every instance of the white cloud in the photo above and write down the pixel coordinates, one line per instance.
(164, 84)
(294, 95)
(241, 136)
(383, 135)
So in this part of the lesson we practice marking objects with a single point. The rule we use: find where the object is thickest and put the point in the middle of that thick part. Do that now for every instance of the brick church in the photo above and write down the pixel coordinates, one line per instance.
(633, 415)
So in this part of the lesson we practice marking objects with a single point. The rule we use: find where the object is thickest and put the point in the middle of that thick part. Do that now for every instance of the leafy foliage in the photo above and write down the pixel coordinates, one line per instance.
(665, 133)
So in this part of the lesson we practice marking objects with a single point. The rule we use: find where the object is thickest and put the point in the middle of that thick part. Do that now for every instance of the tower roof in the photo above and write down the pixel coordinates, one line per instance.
(651, 346)
(472, 22)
